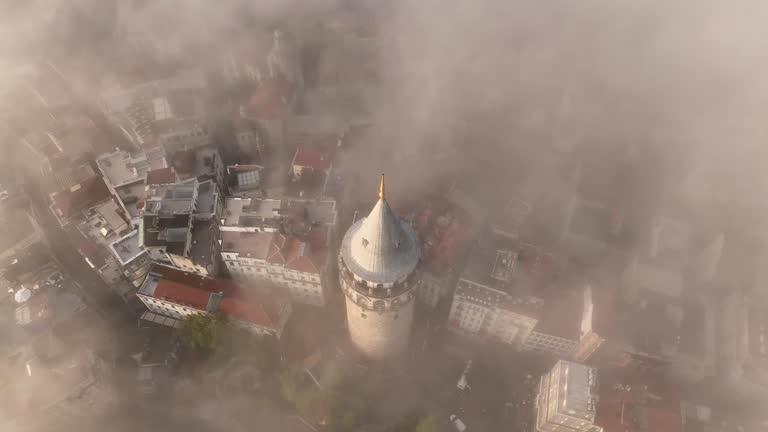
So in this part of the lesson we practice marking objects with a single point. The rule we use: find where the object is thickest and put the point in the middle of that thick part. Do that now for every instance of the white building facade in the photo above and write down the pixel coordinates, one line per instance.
(287, 261)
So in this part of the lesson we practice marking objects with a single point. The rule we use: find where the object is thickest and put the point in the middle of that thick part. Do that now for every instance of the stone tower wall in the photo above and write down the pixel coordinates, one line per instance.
(379, 328)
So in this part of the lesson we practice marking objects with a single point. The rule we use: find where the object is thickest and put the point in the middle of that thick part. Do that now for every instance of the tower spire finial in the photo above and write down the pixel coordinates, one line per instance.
(381, 188)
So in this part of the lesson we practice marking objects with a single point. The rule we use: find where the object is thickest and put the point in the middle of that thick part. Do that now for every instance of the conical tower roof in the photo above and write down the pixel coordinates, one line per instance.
(381, 248)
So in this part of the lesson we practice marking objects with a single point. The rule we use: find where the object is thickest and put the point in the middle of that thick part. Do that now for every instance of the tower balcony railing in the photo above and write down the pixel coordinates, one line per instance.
(377, 291)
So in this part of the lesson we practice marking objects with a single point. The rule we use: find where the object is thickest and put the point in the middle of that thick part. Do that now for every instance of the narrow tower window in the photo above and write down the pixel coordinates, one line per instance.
(365, 242)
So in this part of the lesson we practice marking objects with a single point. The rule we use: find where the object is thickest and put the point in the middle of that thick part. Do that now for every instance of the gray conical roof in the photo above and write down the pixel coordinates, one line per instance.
(381, 248)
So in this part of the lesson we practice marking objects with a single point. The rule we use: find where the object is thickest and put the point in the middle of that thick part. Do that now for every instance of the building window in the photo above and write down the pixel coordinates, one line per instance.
(363, 315)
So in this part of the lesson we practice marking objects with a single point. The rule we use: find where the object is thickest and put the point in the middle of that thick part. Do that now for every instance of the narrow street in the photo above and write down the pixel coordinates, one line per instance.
(97, 295)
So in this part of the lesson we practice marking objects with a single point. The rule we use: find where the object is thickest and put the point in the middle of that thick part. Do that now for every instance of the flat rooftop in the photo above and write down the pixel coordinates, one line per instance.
(233, 209)
(254, 212)
(127, 248)
(133, 195)
(251, 245)
(175, 198)
(207, 197)
(116, 169)
(121, 167)
(322, 212)
(103, 226)
(508, 266)
(202, 240)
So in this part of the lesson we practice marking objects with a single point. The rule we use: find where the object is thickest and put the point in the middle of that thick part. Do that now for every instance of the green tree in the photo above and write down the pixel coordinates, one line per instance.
(291, 384)
(427, 424)
(201, 332)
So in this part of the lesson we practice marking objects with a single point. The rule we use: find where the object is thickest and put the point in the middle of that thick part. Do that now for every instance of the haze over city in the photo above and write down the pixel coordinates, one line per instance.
(340, 215)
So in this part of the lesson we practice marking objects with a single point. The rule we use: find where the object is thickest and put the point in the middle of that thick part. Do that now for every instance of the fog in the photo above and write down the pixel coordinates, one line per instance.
(478, 90)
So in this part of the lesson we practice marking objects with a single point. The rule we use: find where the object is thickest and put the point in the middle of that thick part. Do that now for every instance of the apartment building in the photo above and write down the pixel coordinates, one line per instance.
(171, 295)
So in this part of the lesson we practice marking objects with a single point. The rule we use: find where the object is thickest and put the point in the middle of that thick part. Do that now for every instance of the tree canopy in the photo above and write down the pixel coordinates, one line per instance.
(201, 332)
(337, 405)
(427, 424)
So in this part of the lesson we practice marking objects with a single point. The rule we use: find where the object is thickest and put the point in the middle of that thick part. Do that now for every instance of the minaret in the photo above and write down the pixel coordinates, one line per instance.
(378, 271)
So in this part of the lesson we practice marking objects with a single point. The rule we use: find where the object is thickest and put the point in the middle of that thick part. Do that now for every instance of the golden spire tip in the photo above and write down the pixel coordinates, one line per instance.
(381, 188)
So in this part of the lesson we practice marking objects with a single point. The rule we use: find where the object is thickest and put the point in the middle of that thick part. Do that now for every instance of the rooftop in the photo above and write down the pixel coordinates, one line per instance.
(272, 99)
(269, 212)
(305, 252)
(182, 287)
(203, 293)
(579, 382)
(199, 163)
(127, 248)
(169, 232)
(242, 178)
(249, 244)
(145, 107)
(80, 197)
(381, 248)
(636, 405)
(161, 176)
(120, 168)
(509, 266)
(207, 197)
(311, 158)
(177, 198)
(102, 226)
(133, 196)
(444, 233)
(238, 211)
(202, 242)
(254, 306)
(66, 171)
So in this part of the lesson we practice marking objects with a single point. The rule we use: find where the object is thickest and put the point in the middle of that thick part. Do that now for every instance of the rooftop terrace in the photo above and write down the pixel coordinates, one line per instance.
(127, 248)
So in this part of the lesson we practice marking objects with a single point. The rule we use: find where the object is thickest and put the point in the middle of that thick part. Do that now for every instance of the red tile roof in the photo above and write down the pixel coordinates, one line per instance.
(259, 308)
(271, 99)
(187, 288)
(161, 176)
(441, 240)
(184, 161)
(306, 253)
(661, 408)
(311, 158)
(82, 196)
(194, 290)
(183, 294)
